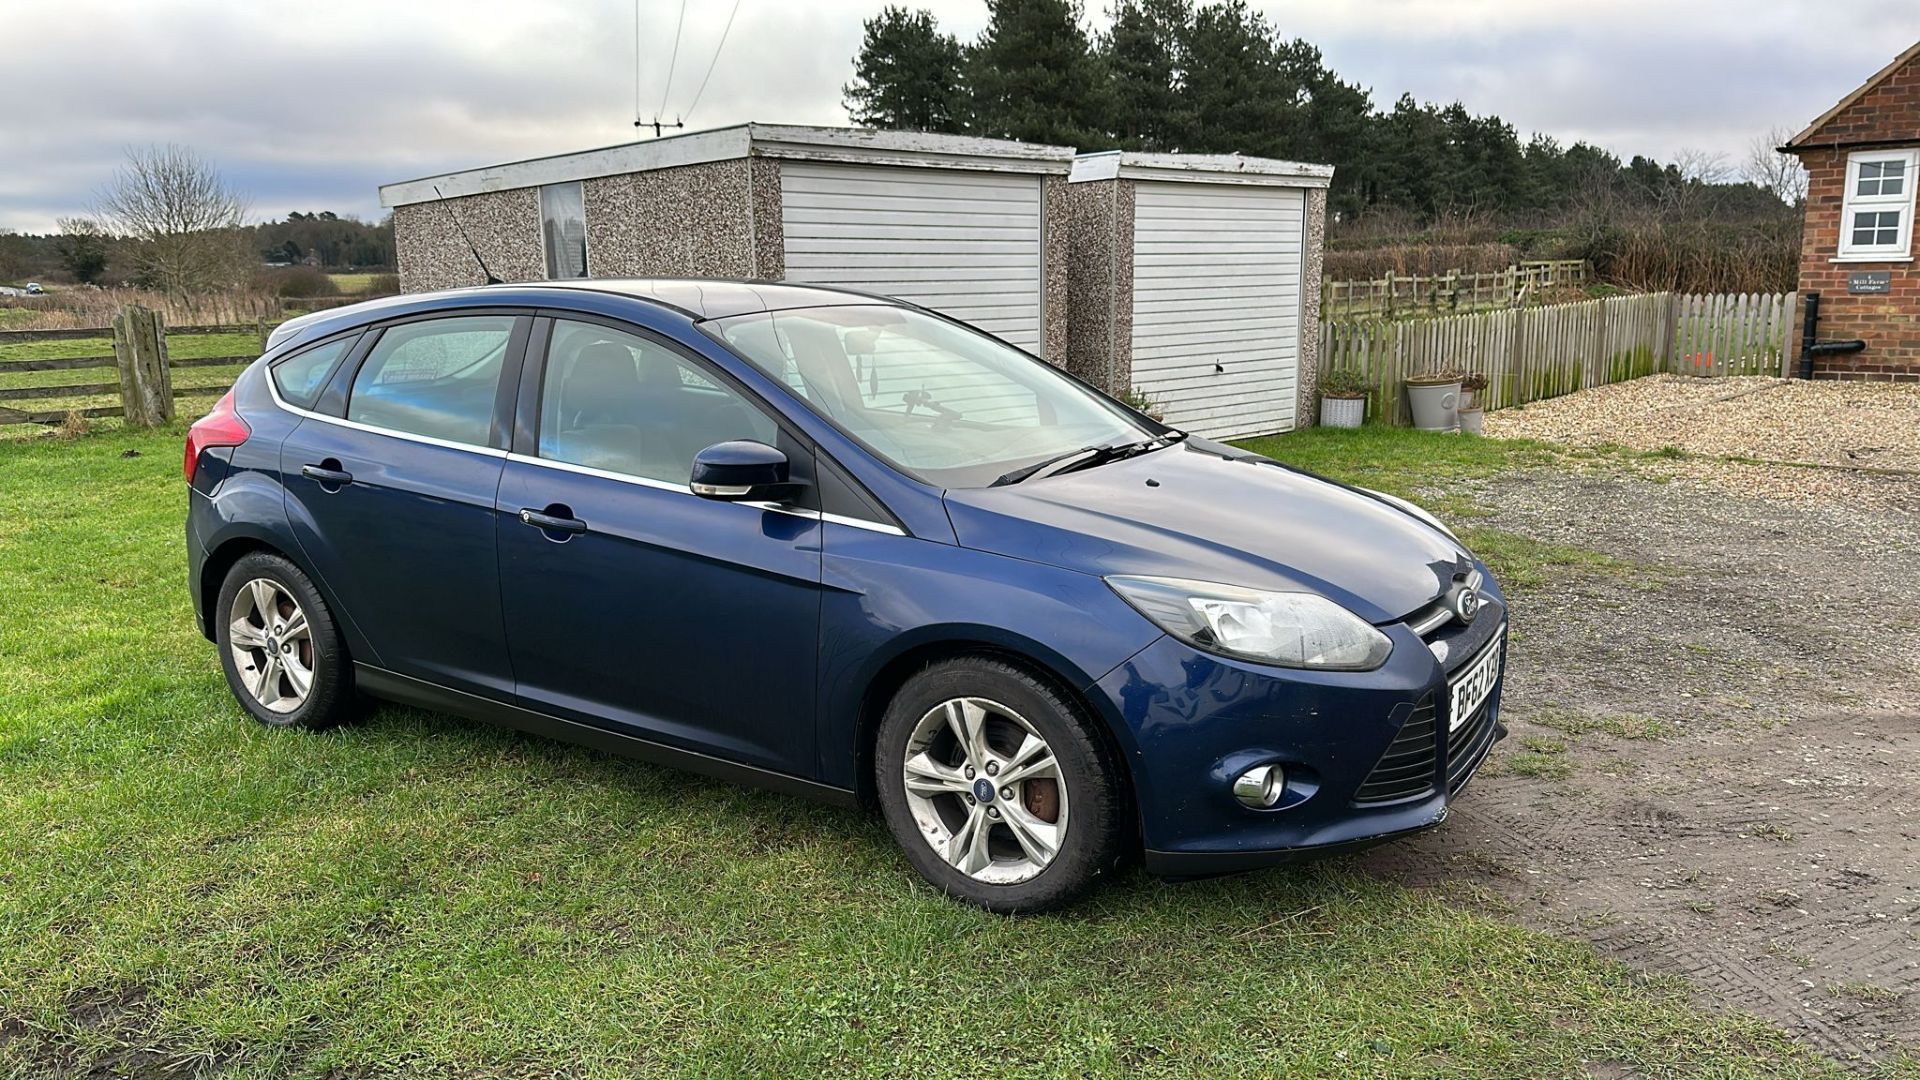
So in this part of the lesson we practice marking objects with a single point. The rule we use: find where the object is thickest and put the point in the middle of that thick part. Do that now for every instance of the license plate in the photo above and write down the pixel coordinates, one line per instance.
(1475, 685)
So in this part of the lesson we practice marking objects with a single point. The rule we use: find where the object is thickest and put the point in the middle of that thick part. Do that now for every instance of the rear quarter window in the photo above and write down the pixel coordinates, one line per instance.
(300, 377)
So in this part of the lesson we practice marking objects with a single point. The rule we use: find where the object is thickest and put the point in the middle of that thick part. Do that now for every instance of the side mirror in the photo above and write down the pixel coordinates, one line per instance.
(741, 469)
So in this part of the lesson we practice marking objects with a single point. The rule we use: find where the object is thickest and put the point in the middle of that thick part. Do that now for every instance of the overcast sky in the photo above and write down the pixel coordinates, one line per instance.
(310, 106)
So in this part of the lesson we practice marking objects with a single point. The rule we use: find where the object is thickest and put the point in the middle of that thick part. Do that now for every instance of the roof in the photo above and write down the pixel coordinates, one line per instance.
(910, 148)
(700, 298)
(715, 298)
(1805, 137)
(1199, 168)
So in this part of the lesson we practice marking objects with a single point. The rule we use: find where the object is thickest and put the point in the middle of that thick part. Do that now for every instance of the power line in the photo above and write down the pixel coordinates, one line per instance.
(688, 115)
(672, 61)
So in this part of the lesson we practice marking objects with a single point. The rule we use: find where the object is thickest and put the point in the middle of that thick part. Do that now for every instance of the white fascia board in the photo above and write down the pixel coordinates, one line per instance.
(909, 148)
(1200, 169)
(696, 148)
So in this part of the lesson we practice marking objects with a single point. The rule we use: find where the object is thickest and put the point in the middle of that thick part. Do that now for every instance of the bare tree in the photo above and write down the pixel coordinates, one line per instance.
(1701, 166)
(1770, 170)
(181, 219)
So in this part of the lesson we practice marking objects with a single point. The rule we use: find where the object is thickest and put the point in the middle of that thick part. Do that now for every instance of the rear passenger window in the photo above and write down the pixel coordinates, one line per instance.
(435, 378)
(299, 377)
(617, 401)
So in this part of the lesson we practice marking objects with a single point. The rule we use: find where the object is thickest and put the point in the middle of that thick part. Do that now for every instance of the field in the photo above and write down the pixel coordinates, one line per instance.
(184, 889)
(351, 284)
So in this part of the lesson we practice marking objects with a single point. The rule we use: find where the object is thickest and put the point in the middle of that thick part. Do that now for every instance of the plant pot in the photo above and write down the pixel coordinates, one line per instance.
(1435, 404)
(1347, 412)
(1471, 420)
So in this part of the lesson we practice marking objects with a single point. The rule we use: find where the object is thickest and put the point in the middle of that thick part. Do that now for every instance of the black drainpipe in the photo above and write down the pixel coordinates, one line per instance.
(1810, 329)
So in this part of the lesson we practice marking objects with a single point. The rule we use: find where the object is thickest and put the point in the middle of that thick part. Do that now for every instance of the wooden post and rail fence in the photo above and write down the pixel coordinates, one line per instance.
(143, 369)
(1530, 353)
(1454, 292)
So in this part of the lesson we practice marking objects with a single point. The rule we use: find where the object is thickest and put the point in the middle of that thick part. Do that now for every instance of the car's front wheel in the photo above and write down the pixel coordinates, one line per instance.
(1001, 792)
(282, 654)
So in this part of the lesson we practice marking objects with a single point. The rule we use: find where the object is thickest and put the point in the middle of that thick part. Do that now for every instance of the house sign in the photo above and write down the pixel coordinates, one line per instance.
(1870, 282)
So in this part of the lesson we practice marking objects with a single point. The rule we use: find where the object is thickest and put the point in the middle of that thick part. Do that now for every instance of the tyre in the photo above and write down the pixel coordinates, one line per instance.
(279, 647)
(1000, 792)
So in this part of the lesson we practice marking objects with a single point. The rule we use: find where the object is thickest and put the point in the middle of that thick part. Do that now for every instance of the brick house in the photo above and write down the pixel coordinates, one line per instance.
(1857, 249)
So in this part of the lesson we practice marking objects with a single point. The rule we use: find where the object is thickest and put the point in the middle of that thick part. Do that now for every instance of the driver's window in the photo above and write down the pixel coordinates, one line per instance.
(624, 403)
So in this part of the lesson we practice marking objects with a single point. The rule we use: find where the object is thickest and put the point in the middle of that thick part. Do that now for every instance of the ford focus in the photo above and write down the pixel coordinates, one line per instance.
(847, 548)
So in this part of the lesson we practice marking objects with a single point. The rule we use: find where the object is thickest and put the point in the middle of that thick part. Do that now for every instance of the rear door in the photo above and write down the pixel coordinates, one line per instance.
(390, 485)
(656, 612)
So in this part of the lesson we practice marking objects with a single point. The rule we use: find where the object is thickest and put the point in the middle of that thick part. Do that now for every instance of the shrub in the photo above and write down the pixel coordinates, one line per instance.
(296, 281)
(1140, 401)
(1345, 383)
(382, 285)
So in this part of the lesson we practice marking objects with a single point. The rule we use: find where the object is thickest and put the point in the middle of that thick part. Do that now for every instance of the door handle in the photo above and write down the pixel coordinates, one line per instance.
(551, 522)
(333, 477)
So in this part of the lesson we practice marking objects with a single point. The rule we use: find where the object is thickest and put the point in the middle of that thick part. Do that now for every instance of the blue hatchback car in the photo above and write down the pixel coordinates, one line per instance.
(845, 547)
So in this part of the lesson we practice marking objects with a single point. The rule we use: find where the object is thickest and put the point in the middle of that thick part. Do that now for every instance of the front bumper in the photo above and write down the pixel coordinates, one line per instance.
(1197, 720)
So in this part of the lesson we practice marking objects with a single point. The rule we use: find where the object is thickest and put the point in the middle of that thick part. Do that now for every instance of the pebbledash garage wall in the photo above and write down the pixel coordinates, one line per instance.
(1195, 280)
(958, 224)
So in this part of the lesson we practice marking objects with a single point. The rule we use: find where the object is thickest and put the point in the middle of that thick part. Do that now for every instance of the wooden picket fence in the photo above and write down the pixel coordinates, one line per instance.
(1732, 334)
(1532, 353)
(1452, 293)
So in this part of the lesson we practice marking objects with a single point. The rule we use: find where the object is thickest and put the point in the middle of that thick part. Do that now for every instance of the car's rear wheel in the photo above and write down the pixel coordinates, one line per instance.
(1000, 791)
(282, 653)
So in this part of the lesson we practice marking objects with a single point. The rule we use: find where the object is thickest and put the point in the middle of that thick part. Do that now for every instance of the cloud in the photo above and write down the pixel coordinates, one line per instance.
(309, 106)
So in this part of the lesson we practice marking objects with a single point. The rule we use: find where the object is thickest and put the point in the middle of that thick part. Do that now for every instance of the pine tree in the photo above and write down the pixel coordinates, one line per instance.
(1140, 65)
(907, 75)
(1032, 74)
(1236, 100)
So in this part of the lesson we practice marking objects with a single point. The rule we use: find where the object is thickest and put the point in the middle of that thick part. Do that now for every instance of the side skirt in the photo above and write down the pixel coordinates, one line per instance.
(406, 690)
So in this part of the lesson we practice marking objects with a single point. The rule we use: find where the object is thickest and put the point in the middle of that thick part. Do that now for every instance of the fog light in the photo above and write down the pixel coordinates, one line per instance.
(1260, 786)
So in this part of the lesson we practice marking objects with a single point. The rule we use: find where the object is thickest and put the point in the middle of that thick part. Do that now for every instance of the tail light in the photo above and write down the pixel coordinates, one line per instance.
(221, 427)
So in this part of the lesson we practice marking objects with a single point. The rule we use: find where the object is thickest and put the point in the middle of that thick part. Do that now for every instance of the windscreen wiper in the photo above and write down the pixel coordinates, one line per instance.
(1087, 457)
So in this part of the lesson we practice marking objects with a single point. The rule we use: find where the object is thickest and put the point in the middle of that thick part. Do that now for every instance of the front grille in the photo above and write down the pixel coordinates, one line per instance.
(1407, 767)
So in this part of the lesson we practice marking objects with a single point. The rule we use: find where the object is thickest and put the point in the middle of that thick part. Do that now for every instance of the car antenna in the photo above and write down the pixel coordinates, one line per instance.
(491, 280)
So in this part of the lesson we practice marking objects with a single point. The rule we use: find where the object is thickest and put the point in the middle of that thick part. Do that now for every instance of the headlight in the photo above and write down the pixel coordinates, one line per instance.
(1291, 629)
(1402, 504)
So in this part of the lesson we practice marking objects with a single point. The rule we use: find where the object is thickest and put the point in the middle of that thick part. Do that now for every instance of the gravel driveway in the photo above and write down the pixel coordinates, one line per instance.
(1824, 440)
(1715, 762)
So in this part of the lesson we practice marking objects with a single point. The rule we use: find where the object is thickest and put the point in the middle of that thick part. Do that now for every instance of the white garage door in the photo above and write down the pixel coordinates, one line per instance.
(963, 243)
(1216, 304)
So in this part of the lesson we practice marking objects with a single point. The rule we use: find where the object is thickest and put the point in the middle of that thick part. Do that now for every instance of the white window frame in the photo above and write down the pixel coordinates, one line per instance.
(1903, 204)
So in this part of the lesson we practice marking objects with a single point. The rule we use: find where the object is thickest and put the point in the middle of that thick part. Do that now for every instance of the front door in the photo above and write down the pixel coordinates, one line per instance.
(649, 609)
(392, 496)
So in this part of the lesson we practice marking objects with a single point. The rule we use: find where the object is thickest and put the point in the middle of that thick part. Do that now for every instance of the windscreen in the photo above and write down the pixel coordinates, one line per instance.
(943, 403)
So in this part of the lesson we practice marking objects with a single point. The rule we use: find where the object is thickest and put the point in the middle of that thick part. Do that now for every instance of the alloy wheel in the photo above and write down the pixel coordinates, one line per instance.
(985, 791)
(272, 645)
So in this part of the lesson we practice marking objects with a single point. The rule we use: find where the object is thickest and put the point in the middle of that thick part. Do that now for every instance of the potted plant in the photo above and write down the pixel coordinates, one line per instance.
(1435, 397)
(1343, 399)
(1473, 409)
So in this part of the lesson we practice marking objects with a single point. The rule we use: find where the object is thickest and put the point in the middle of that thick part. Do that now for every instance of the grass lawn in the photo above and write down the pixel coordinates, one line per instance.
(421, 895)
